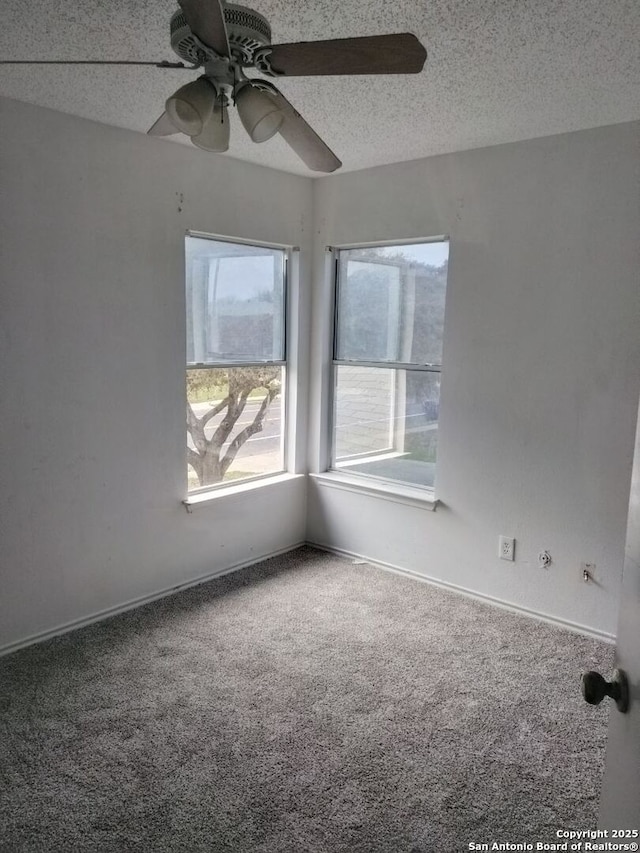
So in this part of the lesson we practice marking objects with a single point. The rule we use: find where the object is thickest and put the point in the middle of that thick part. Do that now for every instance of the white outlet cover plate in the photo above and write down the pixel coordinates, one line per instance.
(506, 548)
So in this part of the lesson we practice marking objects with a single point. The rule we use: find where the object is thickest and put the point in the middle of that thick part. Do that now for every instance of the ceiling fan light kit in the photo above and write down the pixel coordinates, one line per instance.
(259, 115)
(214, 136)
(224, 39)
(191, 106)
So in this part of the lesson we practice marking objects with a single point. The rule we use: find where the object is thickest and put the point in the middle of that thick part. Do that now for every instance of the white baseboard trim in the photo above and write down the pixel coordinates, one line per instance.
(138, 602)
(65, 628)
(575, 627)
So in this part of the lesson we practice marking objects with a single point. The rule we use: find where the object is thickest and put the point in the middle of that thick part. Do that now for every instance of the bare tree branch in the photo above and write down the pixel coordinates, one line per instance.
(235, 408)
(206, 458)
(192, 420)
(204, 420)
(194, 459)
(196, 430)
(248, 431)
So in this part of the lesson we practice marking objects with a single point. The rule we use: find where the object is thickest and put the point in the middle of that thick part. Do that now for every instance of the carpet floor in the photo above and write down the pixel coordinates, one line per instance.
(304, 705)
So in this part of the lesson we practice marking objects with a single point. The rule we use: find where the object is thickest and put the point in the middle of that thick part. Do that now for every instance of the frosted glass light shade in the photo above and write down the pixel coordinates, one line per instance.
(214, 136)
(191, 106)
(258, 113)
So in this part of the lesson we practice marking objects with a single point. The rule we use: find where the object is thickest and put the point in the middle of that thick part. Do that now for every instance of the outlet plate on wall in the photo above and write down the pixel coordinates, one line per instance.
(506, 548)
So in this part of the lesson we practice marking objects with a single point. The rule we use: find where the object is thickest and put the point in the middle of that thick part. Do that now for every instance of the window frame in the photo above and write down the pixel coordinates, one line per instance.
(215, 489)
(369, 482)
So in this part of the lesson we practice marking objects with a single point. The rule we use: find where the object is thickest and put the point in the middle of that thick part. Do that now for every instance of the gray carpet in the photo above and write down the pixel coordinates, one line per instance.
(304, 705)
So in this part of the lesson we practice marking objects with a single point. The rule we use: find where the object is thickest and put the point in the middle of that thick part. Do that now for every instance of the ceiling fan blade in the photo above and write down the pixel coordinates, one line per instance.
(302, 137)
(400, 53)
(206, 21)
(162, 64)
(163, 127)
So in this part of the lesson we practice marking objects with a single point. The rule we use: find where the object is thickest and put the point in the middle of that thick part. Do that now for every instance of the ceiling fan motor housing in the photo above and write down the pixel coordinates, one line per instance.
(247, 31)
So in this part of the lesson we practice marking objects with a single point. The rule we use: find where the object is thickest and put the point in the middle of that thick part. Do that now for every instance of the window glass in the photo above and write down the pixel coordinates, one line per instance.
(369, 311)
(234, 423)
(390, 304)
(388, 337)
(235, 300)
(386, 423)
(235, 361)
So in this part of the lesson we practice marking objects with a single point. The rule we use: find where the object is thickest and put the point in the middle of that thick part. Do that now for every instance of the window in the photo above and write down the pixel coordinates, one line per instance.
(236, 309)
(387, 360)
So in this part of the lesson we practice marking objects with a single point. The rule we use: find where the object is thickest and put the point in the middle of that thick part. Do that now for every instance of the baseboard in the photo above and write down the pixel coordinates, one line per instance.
(15, 646)
(575, 627)
(137, 602)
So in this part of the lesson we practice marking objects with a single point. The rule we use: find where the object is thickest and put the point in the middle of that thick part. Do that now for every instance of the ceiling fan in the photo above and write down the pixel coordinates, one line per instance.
(224, 39)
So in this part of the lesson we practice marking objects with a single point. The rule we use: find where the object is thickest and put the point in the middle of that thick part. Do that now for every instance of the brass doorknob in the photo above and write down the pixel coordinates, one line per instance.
(595, 688)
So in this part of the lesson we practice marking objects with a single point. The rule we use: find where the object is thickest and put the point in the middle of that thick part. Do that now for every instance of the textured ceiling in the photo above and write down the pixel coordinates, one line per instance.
(497, 71)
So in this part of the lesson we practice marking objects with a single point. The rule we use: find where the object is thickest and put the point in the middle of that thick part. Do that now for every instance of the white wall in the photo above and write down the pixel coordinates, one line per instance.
(92, 349)
(541, 365)
(540, 388)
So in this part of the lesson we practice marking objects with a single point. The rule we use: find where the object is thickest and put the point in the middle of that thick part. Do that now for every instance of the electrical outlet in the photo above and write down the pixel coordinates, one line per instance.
(544, 560)
(506, 548)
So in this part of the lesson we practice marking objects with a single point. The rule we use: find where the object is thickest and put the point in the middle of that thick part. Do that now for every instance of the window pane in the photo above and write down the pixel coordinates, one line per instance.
(363, 402)
(390, 303)
(386, 423)
(235, 302)
(234, 423)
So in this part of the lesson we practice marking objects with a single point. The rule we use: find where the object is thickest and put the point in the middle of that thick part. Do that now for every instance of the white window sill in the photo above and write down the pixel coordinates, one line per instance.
(201, 499)
(408, 495)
